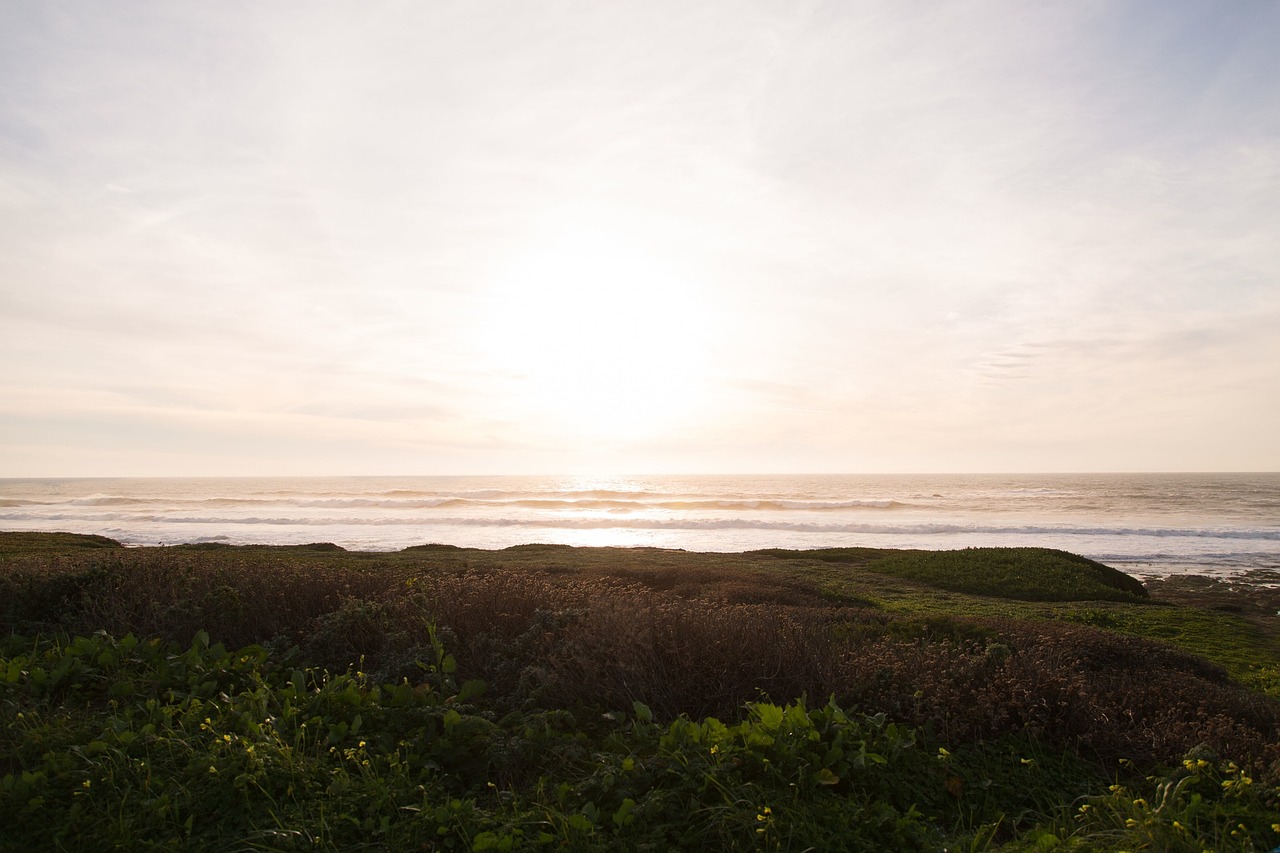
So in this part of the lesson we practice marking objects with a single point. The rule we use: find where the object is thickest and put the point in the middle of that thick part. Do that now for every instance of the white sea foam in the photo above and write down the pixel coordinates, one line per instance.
(693, 524)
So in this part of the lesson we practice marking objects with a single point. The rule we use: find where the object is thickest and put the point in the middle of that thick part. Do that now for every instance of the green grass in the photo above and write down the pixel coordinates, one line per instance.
(17, 544)
(1040, 584)
(1029, 574)
(1230, 641)
(546, 697)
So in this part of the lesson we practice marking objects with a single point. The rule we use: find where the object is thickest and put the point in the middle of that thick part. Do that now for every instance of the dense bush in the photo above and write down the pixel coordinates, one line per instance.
(595, 698)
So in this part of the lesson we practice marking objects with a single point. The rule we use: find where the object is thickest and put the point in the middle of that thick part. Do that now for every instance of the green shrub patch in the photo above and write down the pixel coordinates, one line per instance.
(551, 698)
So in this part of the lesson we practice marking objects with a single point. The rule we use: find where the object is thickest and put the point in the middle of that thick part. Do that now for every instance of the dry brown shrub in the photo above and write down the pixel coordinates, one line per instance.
(1081, 687)
(172, 594)
(693, 657)
(542, 628)
(605, 639)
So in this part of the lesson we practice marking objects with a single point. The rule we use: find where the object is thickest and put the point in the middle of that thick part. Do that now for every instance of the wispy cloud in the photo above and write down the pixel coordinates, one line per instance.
(858, 236)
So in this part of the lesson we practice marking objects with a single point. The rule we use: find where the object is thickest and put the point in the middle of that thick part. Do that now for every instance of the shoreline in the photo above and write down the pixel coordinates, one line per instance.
(1149, 524)
(1265, 574)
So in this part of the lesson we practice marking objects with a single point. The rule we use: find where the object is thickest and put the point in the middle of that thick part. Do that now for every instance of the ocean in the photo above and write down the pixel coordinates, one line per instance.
(1145, 524)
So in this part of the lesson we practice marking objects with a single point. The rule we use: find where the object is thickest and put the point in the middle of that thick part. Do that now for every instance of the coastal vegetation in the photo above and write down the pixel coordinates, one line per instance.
(542, 697)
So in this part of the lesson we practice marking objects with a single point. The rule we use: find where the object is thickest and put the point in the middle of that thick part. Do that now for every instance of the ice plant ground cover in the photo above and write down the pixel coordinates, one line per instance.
(545, 697)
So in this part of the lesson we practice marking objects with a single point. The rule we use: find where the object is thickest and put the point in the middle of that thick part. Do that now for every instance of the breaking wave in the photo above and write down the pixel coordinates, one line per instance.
(1197, 521)
(613, 522)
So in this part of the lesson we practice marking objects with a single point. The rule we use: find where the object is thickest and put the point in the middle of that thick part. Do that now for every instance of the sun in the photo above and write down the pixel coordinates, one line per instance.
(598, 337)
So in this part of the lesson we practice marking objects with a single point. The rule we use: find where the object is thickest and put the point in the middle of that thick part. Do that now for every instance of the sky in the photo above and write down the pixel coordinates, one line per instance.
(297, 238)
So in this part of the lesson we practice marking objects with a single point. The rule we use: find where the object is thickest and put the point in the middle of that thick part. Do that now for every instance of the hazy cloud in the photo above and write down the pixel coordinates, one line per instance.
(465, 237)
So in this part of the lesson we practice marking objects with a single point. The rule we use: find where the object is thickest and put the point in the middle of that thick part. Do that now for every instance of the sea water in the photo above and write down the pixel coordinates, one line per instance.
(1146, 524)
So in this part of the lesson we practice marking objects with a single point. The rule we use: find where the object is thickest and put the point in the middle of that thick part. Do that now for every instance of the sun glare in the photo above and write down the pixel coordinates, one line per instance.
(600, 338)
